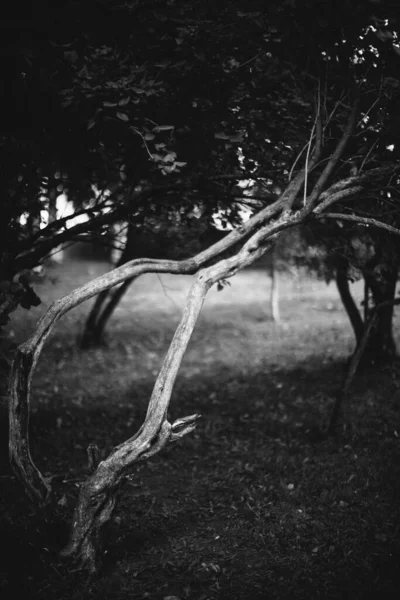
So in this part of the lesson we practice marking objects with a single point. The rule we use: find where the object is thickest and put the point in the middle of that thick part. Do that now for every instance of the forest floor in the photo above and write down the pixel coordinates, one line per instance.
(254, 504)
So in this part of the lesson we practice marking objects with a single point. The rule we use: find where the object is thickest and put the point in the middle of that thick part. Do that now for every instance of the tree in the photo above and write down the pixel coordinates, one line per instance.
(323, 133)
(346, 254)
(97, 495)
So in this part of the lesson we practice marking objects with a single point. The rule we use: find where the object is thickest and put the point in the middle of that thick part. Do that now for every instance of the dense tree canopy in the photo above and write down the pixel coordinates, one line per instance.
(175, 105)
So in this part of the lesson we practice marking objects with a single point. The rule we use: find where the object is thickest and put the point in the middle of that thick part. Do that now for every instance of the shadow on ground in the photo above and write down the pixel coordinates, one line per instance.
(251, 505)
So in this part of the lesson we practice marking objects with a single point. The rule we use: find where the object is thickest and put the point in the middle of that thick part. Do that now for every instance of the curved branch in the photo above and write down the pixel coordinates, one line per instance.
(28, 353)
(337, 196)
(97, 494)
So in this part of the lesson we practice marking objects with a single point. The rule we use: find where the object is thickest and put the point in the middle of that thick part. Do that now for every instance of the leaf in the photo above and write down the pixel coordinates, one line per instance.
(149, 136)
(221, 136)
(91, 123)
(124, 101)
(237, 137)
(123, 116)
(170, 157)
(164, 127)
(110, 104)
(166, 169)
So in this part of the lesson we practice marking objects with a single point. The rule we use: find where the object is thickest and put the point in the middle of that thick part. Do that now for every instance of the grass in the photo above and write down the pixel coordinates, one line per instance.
(253, 504)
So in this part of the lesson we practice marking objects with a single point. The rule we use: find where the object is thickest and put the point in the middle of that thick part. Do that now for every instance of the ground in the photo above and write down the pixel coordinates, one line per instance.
(255, 503)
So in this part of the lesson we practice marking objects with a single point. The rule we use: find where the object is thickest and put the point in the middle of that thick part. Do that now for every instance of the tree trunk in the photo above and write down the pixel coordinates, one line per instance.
(356, 359)
(381, 347)
(366, 301)
(87, 338)
(109, 309)
(381, 283)
(350, 306)
(274, 292)
(98, 494)
(93, 334)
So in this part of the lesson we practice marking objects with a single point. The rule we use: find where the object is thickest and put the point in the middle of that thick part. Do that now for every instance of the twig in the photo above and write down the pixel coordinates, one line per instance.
(318, 143)
(367, 221)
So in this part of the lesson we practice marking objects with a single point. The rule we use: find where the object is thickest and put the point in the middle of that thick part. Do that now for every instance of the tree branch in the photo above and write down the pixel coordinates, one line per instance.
(336, 197)
(333, 161)
(28, 353)
(95, 501)
(367, 221)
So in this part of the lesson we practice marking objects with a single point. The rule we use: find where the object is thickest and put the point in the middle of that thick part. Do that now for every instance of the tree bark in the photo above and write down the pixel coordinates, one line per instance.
(350, 306)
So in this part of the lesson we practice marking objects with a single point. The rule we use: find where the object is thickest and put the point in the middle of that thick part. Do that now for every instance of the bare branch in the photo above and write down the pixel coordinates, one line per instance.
(95, 501)
(318, 187)
(367, 155)
(367, 221)
(28, 353)
(336, 197)
(318, 145)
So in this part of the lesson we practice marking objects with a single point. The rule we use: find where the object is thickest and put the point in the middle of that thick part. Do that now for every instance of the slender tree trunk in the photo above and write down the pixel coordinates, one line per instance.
(337, 412)
(88, 336)
(356, 359)
(366, 301)
(381, 347)
(274, 291)
(106, 302)
(103, 308)
(104, 316)
(57, 254)
(350, 306)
